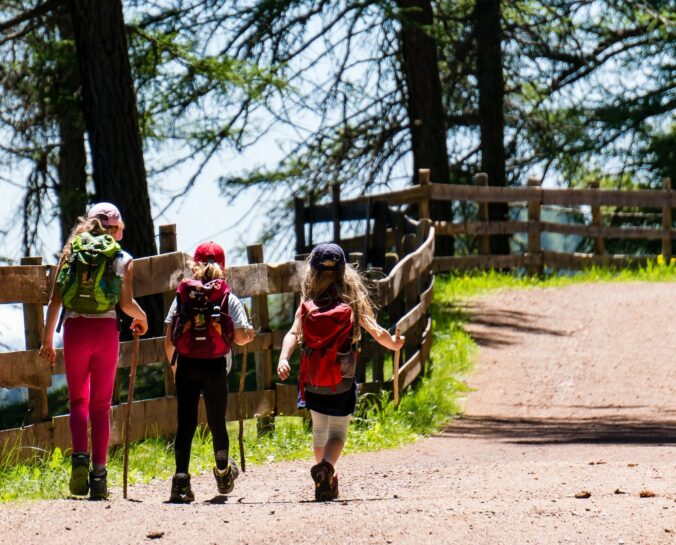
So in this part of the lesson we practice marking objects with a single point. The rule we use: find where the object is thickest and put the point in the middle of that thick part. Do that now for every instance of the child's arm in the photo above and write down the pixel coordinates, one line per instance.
(168, 345)
(129, 305)
(382, 336)
(288, 346)
(244, 333)
(53, 307)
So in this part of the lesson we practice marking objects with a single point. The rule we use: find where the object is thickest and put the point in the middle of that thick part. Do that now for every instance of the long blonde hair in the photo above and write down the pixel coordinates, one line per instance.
(206, 271)
(84, 225)
(348, 287)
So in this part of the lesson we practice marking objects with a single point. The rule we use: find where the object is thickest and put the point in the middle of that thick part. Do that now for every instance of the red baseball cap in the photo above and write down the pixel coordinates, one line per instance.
(210, 252)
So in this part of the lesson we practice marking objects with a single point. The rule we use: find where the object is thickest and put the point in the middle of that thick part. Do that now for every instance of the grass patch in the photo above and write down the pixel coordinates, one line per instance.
(377, 425)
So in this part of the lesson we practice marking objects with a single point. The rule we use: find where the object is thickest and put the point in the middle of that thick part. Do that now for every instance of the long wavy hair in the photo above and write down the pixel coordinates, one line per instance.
(348, 287)
(205, 272)
(86, 225)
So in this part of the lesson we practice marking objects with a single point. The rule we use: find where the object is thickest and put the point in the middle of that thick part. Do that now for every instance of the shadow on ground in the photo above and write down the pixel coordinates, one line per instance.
(609, 430)
(496, 327)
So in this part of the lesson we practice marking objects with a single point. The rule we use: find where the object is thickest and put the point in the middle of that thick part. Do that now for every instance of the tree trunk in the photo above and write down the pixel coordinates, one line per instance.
(425, 107)
(488, 30)
(111, 119)
(72, 167)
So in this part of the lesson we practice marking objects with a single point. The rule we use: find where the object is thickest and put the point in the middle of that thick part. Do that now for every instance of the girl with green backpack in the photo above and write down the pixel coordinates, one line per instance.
(93, 275)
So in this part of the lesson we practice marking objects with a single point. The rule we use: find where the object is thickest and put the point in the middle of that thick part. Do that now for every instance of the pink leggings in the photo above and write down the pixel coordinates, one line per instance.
(90, 352)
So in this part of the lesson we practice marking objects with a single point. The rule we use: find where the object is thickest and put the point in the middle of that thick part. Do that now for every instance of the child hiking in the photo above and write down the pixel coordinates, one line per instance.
(203, 323)
(93, 275)
(335, 306)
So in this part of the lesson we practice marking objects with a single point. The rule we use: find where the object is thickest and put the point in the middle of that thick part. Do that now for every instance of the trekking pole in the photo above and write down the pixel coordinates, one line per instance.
(127, 414)
(395, 371)
(240, 399)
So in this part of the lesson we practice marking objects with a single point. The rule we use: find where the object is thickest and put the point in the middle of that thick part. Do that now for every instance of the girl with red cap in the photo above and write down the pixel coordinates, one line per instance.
(90, 336)
(202, 324)
(335, 307)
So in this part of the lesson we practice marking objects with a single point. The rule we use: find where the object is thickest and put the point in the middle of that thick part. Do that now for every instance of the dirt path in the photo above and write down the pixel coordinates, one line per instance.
(575, 390)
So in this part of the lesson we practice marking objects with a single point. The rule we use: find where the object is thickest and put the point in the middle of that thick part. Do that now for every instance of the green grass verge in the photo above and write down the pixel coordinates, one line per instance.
(377, 424)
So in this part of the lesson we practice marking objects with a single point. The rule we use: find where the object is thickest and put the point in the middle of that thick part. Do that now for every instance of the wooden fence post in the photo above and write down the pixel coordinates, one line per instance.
(535, 264)
(261, 315)
(666, 220)
(299, 207)
(335, 211)
(167, 245)
(34, 325)
(597, 221)
(424, 179)
(481, 179)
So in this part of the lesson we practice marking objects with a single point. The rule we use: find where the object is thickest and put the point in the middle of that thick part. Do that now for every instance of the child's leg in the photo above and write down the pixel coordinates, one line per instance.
(215, 390)
(187, 402)
(320, 434)
(76, 355)
(336, 438)
(103, 365)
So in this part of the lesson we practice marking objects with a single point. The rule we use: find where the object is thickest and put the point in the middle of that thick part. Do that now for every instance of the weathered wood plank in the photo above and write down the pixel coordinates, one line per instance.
(605, 232)
(603, 197)
(405, 271)
(151, 350)
(414, 315)
(24, 368)
(481, 228)
(643, 198)
(266, 278)
(159, 273)
(25, 284)
(414, 366)
(453, 192)
(287, 399)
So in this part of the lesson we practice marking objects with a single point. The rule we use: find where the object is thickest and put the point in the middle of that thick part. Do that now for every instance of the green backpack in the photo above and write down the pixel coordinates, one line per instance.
(87, 281)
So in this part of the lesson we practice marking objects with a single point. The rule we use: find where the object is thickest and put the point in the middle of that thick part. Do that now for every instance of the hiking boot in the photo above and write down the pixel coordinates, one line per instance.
(98, 486)
(180, 489)
(334, 487)
(323, 476)
(225, 478)
(79, 484)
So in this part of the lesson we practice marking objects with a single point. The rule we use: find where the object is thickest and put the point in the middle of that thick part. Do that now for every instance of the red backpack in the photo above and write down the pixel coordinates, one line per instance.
(327, 330)
(202, 327)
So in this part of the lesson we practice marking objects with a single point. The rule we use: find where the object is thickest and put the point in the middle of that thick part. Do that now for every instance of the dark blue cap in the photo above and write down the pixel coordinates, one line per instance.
(327, 257)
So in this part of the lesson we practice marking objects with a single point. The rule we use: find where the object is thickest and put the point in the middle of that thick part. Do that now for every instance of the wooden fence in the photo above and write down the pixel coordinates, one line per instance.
(382, 219)
(403, 295)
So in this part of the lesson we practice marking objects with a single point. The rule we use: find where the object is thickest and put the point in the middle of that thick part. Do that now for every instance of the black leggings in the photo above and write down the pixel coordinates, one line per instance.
(209, 378)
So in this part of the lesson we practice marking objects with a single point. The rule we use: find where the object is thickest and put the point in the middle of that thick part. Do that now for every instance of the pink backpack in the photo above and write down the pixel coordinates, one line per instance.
(202, 327)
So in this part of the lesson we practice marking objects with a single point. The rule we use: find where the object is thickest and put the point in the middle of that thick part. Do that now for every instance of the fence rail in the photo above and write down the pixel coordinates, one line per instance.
(377, 209)
(404, 296)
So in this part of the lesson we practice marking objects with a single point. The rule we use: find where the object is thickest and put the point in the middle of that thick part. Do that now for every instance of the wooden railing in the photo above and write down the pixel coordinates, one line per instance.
(379, 210)
(403, 297)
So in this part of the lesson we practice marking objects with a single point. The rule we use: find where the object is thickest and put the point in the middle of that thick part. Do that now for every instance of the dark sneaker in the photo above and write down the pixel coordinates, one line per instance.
(180, 489)
(98, 486)
(79, 483)
(225, 479)
(323, 476)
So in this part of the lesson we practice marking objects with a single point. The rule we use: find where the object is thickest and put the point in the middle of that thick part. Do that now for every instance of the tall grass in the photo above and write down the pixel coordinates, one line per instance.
(377, 424)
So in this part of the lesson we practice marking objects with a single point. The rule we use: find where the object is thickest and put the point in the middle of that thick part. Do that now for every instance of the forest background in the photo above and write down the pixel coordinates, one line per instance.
(214, 113)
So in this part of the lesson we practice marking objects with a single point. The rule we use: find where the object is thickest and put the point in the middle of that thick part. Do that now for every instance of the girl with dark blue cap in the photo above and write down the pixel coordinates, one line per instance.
(335, 307)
